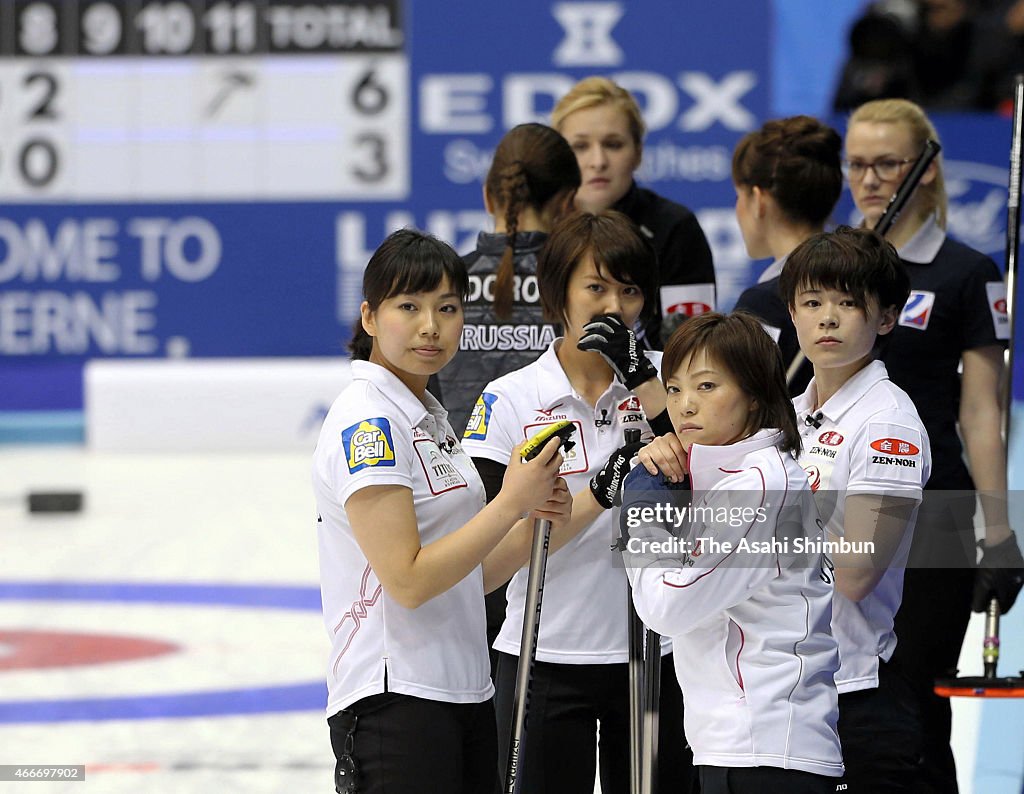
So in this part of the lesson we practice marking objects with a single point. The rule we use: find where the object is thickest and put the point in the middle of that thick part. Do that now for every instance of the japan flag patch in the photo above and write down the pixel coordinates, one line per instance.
(918, 309)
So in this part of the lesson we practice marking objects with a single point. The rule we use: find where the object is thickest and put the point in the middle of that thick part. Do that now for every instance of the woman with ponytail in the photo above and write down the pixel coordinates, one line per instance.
(530, 185)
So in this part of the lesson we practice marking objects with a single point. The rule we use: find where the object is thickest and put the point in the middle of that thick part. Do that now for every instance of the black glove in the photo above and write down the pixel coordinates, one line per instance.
(608, 335)
(1000, 575)
(606, 485)
(661, 424)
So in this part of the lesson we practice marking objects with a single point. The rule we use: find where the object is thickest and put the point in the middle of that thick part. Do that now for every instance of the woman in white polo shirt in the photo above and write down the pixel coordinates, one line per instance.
(868, 458)
(408, 546)
(596, 277)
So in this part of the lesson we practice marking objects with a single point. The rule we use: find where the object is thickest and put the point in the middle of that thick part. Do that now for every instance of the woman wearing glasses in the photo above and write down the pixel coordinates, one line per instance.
(955, 317)
(788, 179)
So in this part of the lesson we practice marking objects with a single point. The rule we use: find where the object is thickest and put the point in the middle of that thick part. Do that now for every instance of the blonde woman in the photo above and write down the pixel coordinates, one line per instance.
(605, 129)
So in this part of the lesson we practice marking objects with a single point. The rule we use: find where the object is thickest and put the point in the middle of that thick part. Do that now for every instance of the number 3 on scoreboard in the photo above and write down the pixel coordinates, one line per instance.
(370, 97)
(377, 167)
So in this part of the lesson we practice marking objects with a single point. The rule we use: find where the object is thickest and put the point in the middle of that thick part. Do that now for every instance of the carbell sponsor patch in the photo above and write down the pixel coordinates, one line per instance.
(480, 419)
(368, 444)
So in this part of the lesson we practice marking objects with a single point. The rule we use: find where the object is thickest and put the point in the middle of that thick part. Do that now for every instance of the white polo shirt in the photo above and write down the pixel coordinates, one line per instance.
(749, 616)
(583, 617)
(378, 433)
(870, 440)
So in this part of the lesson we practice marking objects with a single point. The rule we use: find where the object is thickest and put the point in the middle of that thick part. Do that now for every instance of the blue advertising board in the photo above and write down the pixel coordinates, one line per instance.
(208, 179)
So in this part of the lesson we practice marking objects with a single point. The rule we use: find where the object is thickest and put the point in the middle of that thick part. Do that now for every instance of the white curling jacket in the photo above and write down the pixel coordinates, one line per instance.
(754, 651)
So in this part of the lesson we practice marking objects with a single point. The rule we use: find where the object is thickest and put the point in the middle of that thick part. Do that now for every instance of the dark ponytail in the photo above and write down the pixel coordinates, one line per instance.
(516, 192)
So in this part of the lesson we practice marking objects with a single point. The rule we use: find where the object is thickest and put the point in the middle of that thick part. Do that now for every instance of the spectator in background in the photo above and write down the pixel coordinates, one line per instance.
(936, 53)
(605, 128)
(880, 63)
(1001, 29)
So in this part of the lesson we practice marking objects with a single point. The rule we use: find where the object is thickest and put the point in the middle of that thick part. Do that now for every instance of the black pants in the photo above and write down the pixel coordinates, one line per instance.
(407, 745)
(932, 621)
(881, 734)
(762, 780)
(567, 704)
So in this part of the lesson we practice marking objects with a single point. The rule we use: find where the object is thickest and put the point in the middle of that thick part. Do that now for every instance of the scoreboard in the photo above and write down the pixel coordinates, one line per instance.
(203, 100)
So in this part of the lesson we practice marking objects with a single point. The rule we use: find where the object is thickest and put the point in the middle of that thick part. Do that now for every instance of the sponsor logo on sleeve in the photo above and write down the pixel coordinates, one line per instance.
(917, 311)
(997, 305)
(480, 419)
(687, 300)
(368, 444)
(894, 452)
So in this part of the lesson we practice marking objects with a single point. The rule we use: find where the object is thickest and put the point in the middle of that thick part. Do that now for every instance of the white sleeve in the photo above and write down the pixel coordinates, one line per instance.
(375, 450)
(493, 428)
(890, 455)
(728, 553)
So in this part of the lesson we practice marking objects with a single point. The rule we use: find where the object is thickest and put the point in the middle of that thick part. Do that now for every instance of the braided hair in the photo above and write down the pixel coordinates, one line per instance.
(532, 165)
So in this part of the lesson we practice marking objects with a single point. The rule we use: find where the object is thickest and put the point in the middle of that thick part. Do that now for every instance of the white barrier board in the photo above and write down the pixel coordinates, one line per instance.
(209, 405)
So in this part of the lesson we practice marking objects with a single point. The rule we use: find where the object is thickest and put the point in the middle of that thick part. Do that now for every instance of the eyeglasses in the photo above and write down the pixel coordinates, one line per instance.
(885, 169)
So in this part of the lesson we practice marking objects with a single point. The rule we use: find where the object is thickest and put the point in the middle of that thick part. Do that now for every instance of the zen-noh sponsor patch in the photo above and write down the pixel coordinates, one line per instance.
(895, 454)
